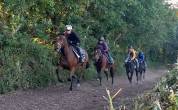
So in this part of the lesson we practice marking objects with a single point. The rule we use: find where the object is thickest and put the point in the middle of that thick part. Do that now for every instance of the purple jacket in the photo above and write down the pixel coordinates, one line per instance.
(103, 47)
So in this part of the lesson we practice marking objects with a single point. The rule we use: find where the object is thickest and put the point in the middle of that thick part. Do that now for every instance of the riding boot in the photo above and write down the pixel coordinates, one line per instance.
(111, 58)
(111, 61)
(80, 55)
(80, 59)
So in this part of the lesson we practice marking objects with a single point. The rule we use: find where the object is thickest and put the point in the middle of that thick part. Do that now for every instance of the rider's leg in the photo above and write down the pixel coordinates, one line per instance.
(145, 63)
(127, 59)
(80, 55)
(111, 60)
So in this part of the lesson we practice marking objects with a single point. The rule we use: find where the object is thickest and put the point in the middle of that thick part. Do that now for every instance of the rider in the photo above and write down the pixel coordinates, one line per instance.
(73, 39)
(132, 55)
(103, 46)
(141, 57)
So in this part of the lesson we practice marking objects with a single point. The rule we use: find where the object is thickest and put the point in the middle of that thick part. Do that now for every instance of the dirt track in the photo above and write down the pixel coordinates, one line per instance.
(87, 97)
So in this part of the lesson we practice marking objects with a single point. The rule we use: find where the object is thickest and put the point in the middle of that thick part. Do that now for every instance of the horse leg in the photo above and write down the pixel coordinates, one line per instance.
(72, 79)
(137, 76)
(112, 74)
(131, 75)
(71, 83)
(106, 73)
(144, 70)
(143, 74)
(99, 74)
(78, 82)
(57, 74)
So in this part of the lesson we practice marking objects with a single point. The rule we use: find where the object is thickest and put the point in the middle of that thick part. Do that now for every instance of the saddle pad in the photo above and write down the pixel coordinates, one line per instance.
(82, 51)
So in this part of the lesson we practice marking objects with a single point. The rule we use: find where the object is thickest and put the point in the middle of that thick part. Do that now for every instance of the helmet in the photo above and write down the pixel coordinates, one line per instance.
(68, 27)
(130, 46)
(140, 53)
(102, 39)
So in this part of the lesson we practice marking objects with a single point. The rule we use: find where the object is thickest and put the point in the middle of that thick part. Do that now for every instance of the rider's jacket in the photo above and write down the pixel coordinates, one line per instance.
(103, 47)
(141, 56)
(132, 54)
(72, 38)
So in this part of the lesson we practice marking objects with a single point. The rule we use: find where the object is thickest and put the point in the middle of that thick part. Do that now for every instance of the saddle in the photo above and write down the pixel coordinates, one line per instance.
(82, 51)
(110, 60)
(107, 57)
(128, 60)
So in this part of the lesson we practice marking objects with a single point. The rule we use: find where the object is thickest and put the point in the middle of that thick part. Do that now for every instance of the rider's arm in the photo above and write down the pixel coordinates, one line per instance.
(106, 48)
(76, 38)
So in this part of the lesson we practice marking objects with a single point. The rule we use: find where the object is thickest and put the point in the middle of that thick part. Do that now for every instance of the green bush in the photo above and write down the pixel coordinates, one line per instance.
(151, 28)
(25, 64)
(164, 94)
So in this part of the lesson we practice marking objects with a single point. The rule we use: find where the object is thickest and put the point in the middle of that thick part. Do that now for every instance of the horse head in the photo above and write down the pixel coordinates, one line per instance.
(61, 41)
(97, 54)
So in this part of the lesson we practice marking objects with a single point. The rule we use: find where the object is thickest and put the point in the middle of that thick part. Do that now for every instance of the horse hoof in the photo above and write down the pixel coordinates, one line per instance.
(130, 83)
(69, 79)
(60, 80)
(70, 89)
(78, 85)
(112, 86)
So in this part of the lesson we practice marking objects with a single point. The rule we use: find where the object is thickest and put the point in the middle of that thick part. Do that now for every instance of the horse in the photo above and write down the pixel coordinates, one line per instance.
(142, 70)
(69, 60)
(130, 68)
(102, 65)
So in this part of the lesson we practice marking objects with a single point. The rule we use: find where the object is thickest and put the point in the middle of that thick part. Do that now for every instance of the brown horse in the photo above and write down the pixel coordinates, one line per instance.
(102, 65)
(69, 60)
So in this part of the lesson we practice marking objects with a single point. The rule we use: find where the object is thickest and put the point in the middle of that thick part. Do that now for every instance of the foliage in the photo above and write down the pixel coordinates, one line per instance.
(147, 25)
(25, 64)
(164, 96)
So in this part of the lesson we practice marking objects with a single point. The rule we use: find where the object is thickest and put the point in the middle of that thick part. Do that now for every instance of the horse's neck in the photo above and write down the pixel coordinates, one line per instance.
(66, 48)
(68, 51)
(102, 57)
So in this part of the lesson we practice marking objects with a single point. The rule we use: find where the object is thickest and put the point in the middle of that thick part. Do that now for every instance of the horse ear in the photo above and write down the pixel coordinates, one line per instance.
(57, 37)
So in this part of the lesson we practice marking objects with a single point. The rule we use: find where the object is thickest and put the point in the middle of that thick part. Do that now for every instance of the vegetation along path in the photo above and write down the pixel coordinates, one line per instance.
(88, 97)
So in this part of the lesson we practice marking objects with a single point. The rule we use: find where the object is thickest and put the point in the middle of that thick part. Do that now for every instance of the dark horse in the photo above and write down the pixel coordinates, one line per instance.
(142, 70)
(130, 67)
(102, 65)
(69, 60)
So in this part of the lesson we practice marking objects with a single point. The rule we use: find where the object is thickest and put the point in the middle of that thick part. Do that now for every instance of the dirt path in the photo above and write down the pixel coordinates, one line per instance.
(87, 97)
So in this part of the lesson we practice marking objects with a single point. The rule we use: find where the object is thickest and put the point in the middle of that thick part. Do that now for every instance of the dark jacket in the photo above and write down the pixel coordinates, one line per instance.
(141, 56)
(72, 38)
(103, 47)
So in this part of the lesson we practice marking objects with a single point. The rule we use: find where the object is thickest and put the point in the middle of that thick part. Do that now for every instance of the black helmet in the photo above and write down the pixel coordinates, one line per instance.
(130, 46)
(140, 53)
